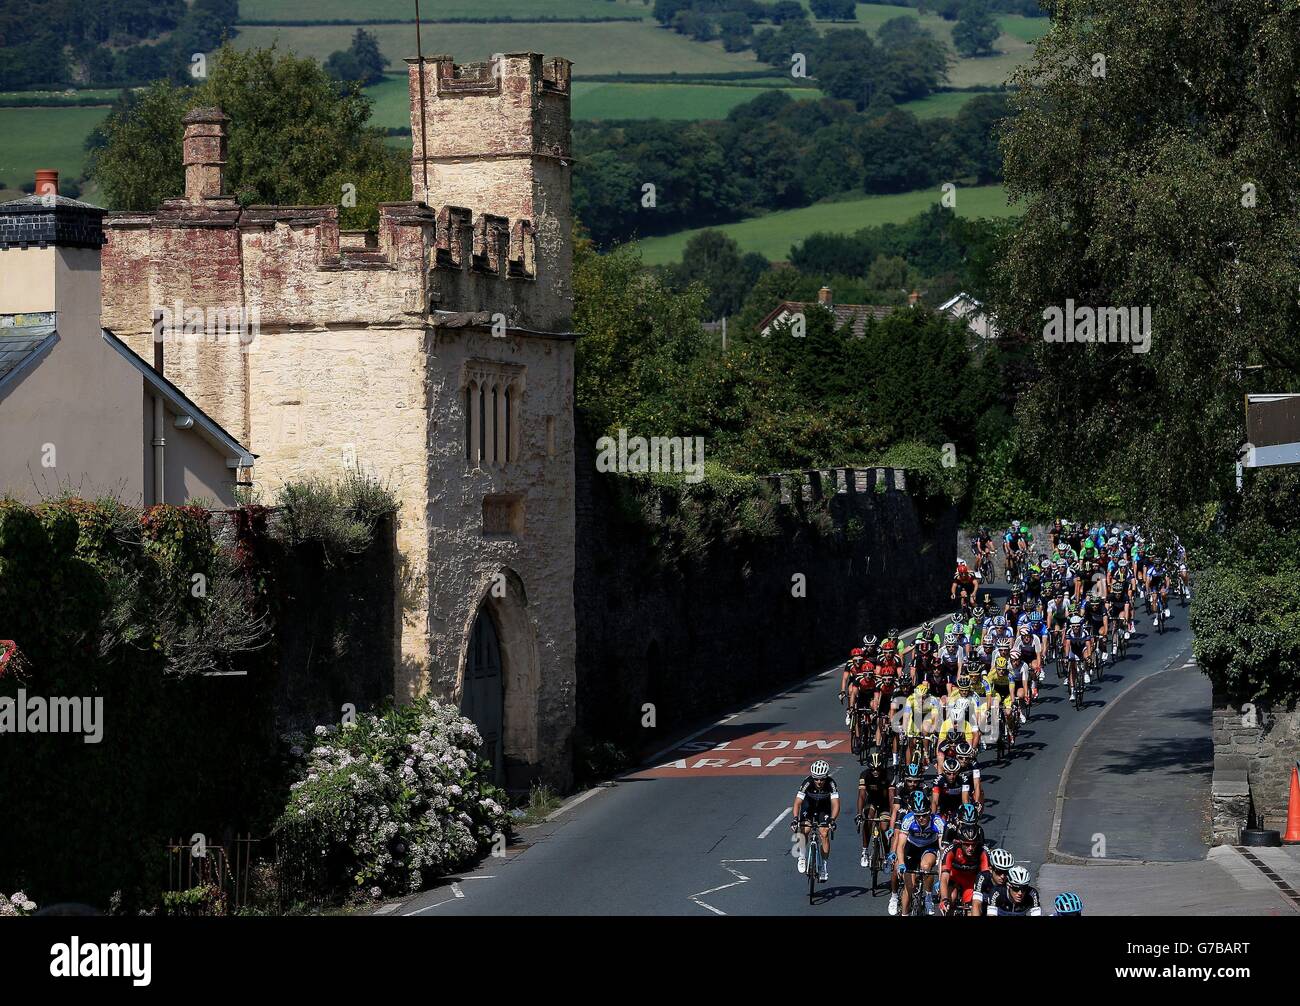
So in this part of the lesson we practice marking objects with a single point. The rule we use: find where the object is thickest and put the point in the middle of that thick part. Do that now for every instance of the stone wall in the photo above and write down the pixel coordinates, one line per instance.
(1255, 746)
(724, 627)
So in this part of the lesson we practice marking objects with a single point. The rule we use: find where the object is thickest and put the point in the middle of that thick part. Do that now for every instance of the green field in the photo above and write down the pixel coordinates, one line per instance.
(608, 101)
(1026, 29)
(934, 106)
(615, 47)
(432, 10)
(667, 101)
(44, 138)
(774, 234)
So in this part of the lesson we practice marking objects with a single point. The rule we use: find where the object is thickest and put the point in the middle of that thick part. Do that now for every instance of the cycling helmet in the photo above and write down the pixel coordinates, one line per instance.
(1000, 621)
(920, 802)
(961, 565)
(964, 750)
(951, 766)
(914, 771)
(821, 769)
(1018, 877)
(876, 760)
(964, 684)
(971, 834)
(855, 652)
(1000, 859)
(1076, 620)
(1025, 630)
(979, 611)
(889, 646)
(956, 617)
(950, 639)
(969, 814)
(1069, 903)
(870, 641)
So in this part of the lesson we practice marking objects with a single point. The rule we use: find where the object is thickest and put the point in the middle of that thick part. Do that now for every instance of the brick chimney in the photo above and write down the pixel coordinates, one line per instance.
(204, 153)
(824, 296)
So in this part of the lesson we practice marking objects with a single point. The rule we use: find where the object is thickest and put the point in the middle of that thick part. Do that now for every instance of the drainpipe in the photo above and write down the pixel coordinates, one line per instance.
(159, 441)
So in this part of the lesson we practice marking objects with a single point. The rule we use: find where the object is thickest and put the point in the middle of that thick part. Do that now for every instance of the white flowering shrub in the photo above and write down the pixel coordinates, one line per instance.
(16, 904)
(385, 804)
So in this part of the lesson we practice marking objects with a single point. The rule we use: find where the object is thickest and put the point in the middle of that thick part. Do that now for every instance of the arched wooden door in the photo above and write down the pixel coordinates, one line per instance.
(483, 698)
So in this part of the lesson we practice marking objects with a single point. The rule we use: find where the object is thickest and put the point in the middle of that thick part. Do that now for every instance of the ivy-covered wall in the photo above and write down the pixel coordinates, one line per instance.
(695, 598)
(199, 640)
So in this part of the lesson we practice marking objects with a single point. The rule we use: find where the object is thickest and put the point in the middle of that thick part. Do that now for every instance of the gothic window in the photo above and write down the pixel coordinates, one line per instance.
(493, 397)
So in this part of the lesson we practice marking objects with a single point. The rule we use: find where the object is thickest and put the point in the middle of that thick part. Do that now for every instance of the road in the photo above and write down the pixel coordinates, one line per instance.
(703, 828)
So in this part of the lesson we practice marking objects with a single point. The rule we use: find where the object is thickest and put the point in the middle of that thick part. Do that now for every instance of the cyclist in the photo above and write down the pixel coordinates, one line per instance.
(964, 580)
(983, 548)
(921, 716)
(951, 660)
(1157, 581)
(1094, 613)
(1017, 897)
(992, 881)
(970, 772)
(850, 682)
(1068, 904)
(960, 867)
(925, 666)
(889, 672)
(1027, 659)
(816, 804)
(1078, 651)
(961, 719)
(1118, 595)
(950, 790)
(916, 848)
(875, 798)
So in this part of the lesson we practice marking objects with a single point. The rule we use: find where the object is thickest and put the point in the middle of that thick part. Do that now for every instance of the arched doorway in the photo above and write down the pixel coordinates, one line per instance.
(483, 696)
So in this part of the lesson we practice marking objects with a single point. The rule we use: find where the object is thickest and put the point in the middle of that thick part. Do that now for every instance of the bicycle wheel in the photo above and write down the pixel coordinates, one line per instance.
(814, 862)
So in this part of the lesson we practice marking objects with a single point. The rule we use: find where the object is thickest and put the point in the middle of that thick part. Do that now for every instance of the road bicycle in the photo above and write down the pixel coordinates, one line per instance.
(916, 903)
(875, 844)
(816, 859)
(1079, 686)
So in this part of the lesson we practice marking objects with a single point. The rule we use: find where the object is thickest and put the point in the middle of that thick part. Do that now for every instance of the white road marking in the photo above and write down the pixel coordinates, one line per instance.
(455, 889)
(574, 802)
(775, 821)
(740, 879)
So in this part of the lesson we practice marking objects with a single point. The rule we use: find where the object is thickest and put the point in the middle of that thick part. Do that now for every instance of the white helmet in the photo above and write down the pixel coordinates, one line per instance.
(821, 769)
(1018, 877)
(1000, 859)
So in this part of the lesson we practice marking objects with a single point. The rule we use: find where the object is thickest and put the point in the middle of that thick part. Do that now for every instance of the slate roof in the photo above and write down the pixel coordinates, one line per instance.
(21, 344)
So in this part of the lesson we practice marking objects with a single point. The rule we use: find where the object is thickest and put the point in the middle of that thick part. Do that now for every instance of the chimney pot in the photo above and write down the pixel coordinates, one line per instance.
(914, 298)
(47, 182)
(824, 295)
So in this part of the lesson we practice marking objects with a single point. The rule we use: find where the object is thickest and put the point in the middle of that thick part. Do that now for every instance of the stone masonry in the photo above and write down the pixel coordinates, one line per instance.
(435, 355)
(1256, 747)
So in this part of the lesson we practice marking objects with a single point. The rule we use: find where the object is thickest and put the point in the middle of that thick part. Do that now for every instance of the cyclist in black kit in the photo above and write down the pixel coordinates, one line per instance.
(817, 802)
(1016, 897)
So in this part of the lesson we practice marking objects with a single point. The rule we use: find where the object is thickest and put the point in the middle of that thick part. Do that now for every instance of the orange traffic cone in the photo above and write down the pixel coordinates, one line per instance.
(1293, 808)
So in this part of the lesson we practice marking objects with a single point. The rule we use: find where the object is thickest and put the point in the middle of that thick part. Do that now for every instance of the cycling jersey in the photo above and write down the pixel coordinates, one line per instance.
(921, 836)
(963, 869)
(816, 802)
(951, 792)
(876, 782)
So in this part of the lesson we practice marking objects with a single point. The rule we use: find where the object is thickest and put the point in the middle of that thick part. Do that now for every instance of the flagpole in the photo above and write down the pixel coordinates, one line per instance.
(424, 148)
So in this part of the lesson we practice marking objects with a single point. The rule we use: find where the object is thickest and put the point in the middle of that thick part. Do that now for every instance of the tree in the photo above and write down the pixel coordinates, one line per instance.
(361, 61)
(834, 10)
(786, 11)
(735, 30)
(847, 66)
(714, 259)
(1163, 178)
(975, 30)
(293, 139)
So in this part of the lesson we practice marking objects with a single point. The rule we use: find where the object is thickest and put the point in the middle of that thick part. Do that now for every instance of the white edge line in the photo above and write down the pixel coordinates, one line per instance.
(777, 820)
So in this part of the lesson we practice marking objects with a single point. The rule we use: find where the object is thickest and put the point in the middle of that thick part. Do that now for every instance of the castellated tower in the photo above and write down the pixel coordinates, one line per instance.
(494, 137)
(434, 354)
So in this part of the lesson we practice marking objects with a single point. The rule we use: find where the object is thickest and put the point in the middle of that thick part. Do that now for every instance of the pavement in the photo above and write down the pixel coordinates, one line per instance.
(1111, 801)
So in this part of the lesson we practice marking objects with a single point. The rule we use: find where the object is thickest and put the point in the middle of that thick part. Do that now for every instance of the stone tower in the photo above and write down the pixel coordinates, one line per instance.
(495, 137)
(435, 355)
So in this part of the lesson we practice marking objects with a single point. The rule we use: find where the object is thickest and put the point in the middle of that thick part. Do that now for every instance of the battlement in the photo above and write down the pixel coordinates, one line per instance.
(489, 76)
(295, 266)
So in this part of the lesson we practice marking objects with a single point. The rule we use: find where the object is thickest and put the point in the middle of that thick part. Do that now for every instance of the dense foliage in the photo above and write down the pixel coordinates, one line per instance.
(771, 153)
(135, 608)
(295, 138)
(778, 402)
(87, 42)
